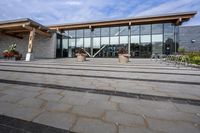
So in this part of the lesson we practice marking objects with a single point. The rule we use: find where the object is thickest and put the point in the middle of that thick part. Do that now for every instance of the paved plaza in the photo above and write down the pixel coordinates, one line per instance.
(98, 96)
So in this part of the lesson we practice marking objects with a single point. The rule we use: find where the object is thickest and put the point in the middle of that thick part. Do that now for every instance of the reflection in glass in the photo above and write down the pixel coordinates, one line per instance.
(87, 42)
(124, 35)
(105, 32)
(157, 44)
(79, 42)
(145, 29)
(96, 42)
(135, 39)
(72, 33)
(157, 28)
(104, 40)
(65, 47)
(168, 38)
(123, 39)
(114, 35)
(114, 31)
(145, 39)
(135, 30)
(96, 32)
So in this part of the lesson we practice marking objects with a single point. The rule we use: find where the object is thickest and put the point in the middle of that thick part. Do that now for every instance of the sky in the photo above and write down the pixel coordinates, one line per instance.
(49, 12)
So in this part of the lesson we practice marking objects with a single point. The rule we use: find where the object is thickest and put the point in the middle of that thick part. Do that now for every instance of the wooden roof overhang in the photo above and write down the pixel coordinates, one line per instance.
(16, 28)
(176, 18)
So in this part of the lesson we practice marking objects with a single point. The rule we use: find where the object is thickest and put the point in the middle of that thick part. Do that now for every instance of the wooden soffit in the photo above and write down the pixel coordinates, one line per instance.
(173, 18)
(16, 28)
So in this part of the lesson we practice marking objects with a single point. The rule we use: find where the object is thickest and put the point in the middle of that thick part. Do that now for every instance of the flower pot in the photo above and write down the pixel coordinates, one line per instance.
(123, 58)
(81, 57)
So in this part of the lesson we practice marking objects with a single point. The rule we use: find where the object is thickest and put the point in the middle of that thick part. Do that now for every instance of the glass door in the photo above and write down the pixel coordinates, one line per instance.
(59, 46)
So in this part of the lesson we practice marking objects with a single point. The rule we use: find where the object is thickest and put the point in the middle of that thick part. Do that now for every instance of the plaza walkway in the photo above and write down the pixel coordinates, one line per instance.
(98, 96)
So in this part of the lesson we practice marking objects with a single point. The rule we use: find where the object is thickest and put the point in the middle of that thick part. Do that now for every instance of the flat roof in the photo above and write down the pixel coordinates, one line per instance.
(171, 17)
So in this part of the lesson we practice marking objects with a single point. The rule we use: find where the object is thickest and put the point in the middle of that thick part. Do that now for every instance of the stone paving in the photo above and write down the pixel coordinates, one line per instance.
(92, 112)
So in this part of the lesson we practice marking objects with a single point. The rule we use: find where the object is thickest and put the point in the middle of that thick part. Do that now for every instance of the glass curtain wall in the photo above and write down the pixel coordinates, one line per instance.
(96, 41)
(79, 39)
(146, 40)
(114, 42)
(145, 44)
(72, 43)
(168, 38)
(65, 45)
(59, 46)
(87, 40)
(124, 36)
(157, 39)
(105, 41)
(135, 41)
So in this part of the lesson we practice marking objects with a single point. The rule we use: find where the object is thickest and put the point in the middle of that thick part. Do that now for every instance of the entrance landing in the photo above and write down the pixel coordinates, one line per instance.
(99, 95)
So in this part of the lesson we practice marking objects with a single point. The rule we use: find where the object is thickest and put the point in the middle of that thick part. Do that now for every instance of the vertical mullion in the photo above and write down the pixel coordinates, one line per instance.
(129, 39)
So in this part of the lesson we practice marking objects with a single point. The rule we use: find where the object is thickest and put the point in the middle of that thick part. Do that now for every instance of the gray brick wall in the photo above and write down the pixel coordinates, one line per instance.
(188, 33)
(43, 47)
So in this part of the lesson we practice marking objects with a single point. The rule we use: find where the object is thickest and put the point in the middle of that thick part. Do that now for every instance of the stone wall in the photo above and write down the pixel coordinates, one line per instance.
(43, 47)
(186, 35)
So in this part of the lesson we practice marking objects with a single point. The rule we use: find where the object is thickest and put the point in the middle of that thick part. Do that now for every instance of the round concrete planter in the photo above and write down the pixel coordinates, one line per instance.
(123, 58)
(81, 57)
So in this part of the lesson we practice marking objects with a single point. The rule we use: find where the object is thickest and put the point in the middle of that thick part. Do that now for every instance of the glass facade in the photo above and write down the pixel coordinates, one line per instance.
(143, 40)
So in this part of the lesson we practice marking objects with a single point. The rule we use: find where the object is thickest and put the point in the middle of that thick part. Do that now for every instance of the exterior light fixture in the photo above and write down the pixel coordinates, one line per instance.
(193, 41)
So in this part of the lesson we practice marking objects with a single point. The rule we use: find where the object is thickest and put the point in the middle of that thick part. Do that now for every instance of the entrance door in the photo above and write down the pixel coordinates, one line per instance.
(141, 50)
(59, 46)
(108, 51)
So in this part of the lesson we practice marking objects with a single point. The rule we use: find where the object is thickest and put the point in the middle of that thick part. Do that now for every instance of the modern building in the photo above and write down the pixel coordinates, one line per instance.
(141, 36)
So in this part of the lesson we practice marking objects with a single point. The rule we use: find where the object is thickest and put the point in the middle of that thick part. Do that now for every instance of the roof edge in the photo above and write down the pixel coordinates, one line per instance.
(129, 18)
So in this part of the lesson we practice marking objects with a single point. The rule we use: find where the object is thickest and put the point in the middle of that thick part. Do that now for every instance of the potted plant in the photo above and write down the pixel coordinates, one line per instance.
(123, 55)
(11, 53)
(81, 55)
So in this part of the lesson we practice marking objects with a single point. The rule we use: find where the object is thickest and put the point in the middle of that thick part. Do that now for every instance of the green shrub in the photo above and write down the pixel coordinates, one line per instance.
(181, 50)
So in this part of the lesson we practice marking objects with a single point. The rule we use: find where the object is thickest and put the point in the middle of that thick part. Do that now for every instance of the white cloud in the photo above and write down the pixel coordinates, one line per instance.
(72, 2)
(70, 11)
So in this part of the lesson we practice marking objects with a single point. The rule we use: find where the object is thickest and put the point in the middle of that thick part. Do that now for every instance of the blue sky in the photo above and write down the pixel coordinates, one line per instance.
(49, 12)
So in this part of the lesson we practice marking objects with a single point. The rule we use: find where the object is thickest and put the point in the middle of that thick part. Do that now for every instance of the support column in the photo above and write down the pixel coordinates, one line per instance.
(129, 38)
(29, 55)
(91, 49)
(175, 39)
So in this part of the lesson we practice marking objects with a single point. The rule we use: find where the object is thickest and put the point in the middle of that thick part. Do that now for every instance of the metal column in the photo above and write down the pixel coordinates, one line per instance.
(91, 49)
(129, 38)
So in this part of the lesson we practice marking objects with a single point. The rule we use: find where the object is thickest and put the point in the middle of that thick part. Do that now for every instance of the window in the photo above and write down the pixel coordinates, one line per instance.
(79, 38)
(114, 35)
(135, 39)
(124, 35)
(135, 30)
(157, 28)
(145, 38)
(72, 33)
(145, 29)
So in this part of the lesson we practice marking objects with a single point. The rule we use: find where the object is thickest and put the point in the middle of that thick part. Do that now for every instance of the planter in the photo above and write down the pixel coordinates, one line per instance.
(123, 58)
(81, 57)
(14, 58)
